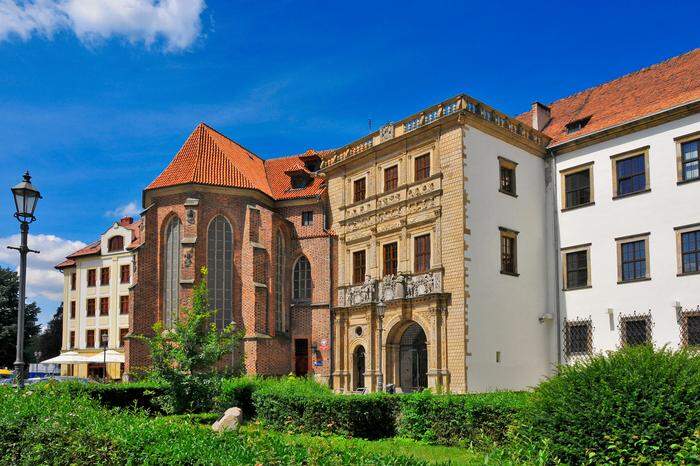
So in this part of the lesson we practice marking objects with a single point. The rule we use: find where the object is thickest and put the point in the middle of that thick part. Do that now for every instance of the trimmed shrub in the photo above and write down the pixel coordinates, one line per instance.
(296, 405)
(113, 395)
(477, 419)
(630, 406)
(51, 427)
(239, 392)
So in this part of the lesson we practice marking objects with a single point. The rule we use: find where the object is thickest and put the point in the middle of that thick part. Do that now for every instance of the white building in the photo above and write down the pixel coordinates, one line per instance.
(96, 303)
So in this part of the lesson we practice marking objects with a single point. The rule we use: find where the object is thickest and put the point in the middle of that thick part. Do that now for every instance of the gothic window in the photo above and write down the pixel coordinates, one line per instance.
(302, 279)
(220, 265)
(279, 267)
(171, 269)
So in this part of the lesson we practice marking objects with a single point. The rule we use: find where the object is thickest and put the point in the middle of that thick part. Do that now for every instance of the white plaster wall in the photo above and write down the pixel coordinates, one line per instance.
(503, 310)
(666, 206)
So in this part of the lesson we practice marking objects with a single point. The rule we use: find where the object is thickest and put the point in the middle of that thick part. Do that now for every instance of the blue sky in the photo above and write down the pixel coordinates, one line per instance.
(96, 96)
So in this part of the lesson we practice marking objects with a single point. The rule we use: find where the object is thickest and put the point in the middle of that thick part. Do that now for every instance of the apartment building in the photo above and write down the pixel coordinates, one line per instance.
(97, 306)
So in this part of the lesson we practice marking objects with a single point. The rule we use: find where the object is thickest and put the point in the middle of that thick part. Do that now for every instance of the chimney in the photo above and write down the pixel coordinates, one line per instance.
(126, 221)
(541, 114)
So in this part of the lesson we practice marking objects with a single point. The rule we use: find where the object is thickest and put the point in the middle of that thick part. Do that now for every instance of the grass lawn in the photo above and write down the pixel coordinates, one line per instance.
(391, 447)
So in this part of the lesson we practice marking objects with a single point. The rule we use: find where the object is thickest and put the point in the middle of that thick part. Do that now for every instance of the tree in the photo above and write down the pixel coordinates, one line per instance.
(49, 341)
(9, 299)
(185, 357)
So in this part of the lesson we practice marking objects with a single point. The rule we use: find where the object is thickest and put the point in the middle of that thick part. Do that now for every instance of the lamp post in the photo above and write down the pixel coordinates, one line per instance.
(104, 341)
(381, 310)
(26, 197)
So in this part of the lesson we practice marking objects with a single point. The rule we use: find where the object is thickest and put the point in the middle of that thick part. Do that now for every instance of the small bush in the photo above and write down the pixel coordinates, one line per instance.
(477, 419)
(113, 395)
(51, 427)
(239, 392)
(297, 405)
(631, 406)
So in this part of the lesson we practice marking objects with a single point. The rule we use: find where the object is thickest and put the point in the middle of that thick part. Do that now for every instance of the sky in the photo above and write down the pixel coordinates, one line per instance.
(96, 96)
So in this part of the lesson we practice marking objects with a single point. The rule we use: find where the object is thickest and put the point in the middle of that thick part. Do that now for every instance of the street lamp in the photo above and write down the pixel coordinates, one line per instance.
(26, 197)
(104, 341)
(381, 310)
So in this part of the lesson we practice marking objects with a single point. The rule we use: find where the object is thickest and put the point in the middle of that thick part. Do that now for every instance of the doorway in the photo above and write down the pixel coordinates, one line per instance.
(413, 359)
(301, 357)
(358, 358)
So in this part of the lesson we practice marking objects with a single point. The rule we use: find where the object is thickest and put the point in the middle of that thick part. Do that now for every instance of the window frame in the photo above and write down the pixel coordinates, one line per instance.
(680, 231)
(393, 263)
(357, 277)
(104, 308)
(172, 252)
(568, 324)
(565, 272)
(355, 191)
(88, 311)
(73, 280)
(104, 271)
(123, 332)
(297, 281)
(680, 164)
(509, 235)
(427, 167)
(506, 164)
(73, 309)
(422, 260)
(619, 246)
(91, 278)
(685, 335)
(563, 174)
(122, 268)
(71, 339)
(307, 218)
(90, 333)
(123, 299)
(392, 183)
(220, 254)
(617, 158)
(118, 247)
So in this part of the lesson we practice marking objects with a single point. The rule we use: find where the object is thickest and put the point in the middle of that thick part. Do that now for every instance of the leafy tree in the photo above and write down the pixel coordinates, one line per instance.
(49, 341)
(9, 298)
(186, 356)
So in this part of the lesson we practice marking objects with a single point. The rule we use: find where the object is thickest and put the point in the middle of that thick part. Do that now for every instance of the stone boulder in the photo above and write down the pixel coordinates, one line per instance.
(231, 420)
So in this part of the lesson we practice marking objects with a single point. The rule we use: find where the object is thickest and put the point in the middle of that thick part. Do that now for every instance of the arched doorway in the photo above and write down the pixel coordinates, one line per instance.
(358, 367)
(413, 359)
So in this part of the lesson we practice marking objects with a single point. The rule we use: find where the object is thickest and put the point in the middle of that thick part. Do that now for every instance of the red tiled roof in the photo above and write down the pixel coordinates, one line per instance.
(650, 90)
(208, 157)
(95, 247)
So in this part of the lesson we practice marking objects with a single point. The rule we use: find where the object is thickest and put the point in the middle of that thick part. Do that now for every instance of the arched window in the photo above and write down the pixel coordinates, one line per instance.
(115, 243)
(279, 267)
(220, 265)
(171, 278)
(302, 279)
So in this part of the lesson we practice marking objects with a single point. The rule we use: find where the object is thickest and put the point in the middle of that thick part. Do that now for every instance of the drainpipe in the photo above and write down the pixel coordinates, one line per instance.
(330, 298)
(555, 249)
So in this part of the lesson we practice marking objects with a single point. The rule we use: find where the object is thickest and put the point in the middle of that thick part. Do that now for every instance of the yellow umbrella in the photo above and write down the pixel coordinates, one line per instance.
(5, 372)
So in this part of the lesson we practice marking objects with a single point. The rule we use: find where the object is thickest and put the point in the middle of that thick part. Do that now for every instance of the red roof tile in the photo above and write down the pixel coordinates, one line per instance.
(95, 247)
(659, 87)
(208, 157)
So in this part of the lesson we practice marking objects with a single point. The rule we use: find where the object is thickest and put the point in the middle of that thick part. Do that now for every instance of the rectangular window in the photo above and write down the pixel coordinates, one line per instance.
(72, 309)
(91, 277)
(690, 161)
(633, 259)
(421, 252)
(104, 306)
(359, 190)
(104, 276)
(631, 172)
(104, 338)
(509, 248)
(72, 281)
(635, 330)
(578, 338)
(391, 260)
(91, 307)
(422, 167)
(507, 176)
(307, 218)
(576, 262)
(125, 273)
(90, 339)
(71, 342)
(391, 178)
(124, 304)
(690, 252)
(358, 267)
(122, 336)
(577, 186)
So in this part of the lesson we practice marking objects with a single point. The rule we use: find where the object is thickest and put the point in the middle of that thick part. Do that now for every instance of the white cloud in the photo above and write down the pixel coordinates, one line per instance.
(42, 279)
(127, 210)
(176, 22)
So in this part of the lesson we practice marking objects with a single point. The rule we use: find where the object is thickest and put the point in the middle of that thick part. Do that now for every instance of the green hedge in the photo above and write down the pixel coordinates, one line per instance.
(52, 427)
(239, 392)
(114, 395)
(458, 419)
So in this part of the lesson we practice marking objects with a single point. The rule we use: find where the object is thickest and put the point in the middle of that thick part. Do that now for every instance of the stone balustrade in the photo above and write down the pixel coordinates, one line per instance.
(430, 115)
(391, 287)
